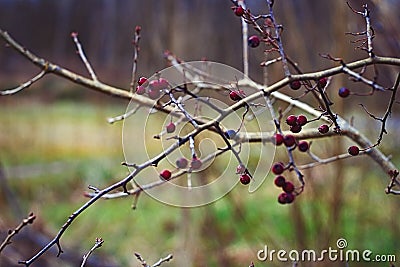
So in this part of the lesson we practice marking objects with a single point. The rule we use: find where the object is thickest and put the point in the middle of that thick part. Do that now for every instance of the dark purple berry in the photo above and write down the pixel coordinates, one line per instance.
(245, 179)
(344, 92)
(303, 146)
(289, 198)
(278, 168)
(278, 139)
(295, 128)
(282, 198)
(288, 187)
(291, 120)
(170, 127)
(253, 41)
(295, 85)
(301, 120)
(354, 150)
(289, 140)
(323, 128)
(279, 181)
(181, 163)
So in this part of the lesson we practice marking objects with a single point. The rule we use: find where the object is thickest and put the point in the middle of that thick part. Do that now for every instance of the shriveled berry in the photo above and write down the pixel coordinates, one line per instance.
(279, 181)
(239, 11)
(288, 187)
(295, 128)
(165, 174)
(154, 93)
(291, 120)
(140, 90)
(181, 163)
(295, 85)
(230, 134)
(170, 127)
(278, 139)
(322, 82)
(323, 128)
(196, 163)
(278, 168)
(289, 140)
(301, 120)
(354, 150)
(253, 41)
(344, 92)
(245, 179)
(142, 80)
(240, 169)
(303, 146)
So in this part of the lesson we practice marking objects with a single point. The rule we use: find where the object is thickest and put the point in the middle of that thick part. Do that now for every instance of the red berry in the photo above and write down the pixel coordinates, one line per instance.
(344, 92)
(253, 41)
(240, 169)
(239, 11)
(282, 198)
(289, 140)
(154, 93)
(278, 139)
(245, 179)
(301, 120)
(170, 127)
(295, 128)
(181, 163)
(279, 181)
(303, 146)
(295, 85)
(196, 163)
(142, 80)
(288, 187)
(278, 168)
(323, 128)
(163, 83)
(291, 120)
(354, 150)
(286, 198)
(235, 95)
(322, 82)
(165, 174)
(140, 90)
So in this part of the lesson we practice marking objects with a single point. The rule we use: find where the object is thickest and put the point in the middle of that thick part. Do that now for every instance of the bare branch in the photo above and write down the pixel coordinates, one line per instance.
(25, 85)
(89, 68)
(99, 242)
(11, 233)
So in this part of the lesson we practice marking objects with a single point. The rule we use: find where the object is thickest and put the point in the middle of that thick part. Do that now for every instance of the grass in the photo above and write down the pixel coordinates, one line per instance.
(232, 230)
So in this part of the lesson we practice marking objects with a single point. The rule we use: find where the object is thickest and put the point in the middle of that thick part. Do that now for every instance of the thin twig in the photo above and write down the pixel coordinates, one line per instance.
(89, 68)
(99, 242)
(11, 233)
(26, 84)
(136, 50)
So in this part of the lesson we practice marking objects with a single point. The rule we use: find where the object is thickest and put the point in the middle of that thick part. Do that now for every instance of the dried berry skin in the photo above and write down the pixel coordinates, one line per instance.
(181, 163)
(253, 41)
(245, 179)
(344, 92)
(354, 150)
(323, 128)
(279, 181)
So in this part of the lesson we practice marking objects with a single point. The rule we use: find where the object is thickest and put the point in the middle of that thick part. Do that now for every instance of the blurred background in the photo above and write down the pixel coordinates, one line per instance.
(55, 139)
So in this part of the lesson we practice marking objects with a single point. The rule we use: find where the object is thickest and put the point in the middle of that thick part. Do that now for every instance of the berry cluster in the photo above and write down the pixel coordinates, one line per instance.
(153, 88)
(288, 194)
(296, 122)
